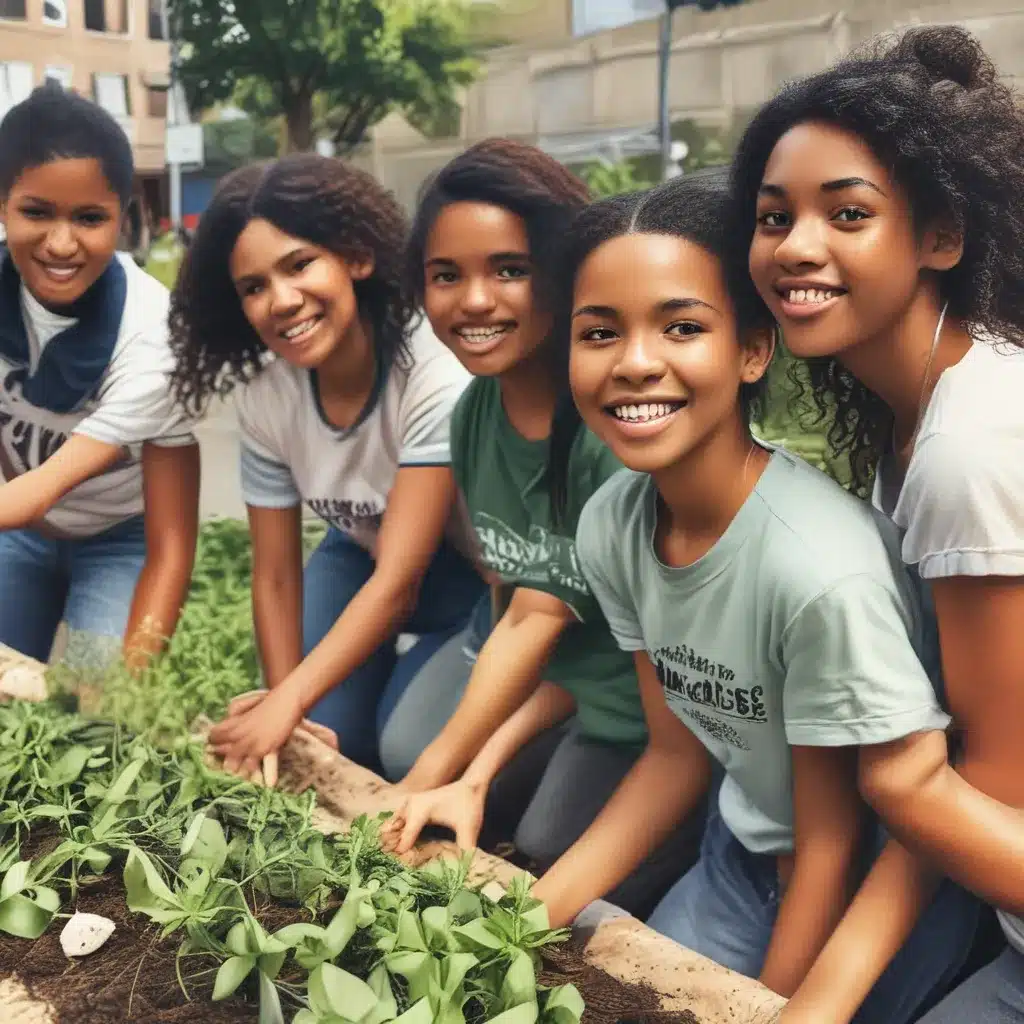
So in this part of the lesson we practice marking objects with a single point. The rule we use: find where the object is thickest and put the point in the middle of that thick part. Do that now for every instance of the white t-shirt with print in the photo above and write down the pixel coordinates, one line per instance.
(961, 504)
(132, 405)
(291, 454)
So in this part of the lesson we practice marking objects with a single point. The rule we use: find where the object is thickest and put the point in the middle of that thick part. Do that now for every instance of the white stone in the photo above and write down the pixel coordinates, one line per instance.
(85, 933)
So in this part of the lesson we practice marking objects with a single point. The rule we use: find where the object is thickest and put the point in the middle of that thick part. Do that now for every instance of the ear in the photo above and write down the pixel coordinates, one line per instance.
(361, 266)
(942, 247)
(758, 349)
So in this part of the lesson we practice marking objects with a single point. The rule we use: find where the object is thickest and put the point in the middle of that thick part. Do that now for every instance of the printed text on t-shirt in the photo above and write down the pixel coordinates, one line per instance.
(541, 557)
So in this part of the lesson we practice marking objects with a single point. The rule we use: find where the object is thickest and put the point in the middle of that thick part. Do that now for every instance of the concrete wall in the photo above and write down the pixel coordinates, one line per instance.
(84, 52)
(724, 63)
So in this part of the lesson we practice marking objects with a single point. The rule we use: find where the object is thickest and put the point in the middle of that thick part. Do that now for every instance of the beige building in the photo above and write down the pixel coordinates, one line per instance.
(114, 51)
(592, 95)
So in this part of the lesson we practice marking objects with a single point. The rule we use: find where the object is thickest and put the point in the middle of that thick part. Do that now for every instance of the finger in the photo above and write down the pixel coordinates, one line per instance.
(414, 822)
(250, 766)
(226, 730)
(270, 766)
(232, 762)
(467, 832)
(245, 701)
(320, 732)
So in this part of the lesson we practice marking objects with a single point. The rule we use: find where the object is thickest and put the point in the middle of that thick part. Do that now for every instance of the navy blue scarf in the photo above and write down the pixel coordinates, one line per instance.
(73, 361)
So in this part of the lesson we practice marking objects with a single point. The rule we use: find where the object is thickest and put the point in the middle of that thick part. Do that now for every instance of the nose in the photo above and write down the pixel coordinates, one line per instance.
(61, 243)
(640, 359)
(285, 298)
(477, 296)
(803, 245)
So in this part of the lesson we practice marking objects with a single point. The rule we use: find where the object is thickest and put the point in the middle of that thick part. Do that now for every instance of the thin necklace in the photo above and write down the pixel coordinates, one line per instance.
(746, 462)
(924, 383)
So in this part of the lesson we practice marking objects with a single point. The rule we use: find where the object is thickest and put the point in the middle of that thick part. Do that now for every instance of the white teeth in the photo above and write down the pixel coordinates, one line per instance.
(810, 296)
(62, 272)
(644, 413)
(299, 329)
(481, 334)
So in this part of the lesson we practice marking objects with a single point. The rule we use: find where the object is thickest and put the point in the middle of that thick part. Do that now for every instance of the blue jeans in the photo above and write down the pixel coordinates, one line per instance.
(88, 582)
(725, 908)
(357, 707)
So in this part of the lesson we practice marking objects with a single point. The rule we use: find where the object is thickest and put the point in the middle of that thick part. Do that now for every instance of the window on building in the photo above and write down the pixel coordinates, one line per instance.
(16, 81)
(111, 93)
(55, 12)
(59, 73)
(597, 15)
(12, 9)
(157, 19)
(156, 102)
(108, 16)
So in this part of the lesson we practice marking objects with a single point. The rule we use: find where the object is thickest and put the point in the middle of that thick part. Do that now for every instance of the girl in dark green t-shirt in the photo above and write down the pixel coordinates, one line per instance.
(545, 713)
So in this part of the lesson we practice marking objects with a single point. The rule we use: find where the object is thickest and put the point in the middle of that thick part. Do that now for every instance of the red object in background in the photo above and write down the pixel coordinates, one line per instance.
(189, 221)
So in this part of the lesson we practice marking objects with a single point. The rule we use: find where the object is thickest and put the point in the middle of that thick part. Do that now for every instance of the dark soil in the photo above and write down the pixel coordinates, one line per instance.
(133, 978)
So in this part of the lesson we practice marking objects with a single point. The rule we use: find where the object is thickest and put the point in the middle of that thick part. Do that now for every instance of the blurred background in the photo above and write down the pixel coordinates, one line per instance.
(625, 92)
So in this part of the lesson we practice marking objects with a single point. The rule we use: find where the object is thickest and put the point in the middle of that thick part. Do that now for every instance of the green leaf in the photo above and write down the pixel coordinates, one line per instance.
(23, 918)
(536, 919)
(387, 1006)
(192, 834)
(119, 790)
(343, 993)
(270, 1002)
(15, 879)
(520, 984)
(69, 766)
(209, 847)
(563, 1005)
(436, 922)
(344, 923)
(417, 968)
(239, 940)
(48, 899)
(231, 974)
(410, 935)
(480, 933)
(305, 1016)
(454, 968)
(270, 964)
(292, 934)
(97, 859)
(419, 1013)
(145, 889)
(525, 1013)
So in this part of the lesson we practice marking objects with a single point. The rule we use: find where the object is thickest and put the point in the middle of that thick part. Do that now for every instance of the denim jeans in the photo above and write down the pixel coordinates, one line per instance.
(994, 995)
(357, 707)
(725, 908)
(88, 582)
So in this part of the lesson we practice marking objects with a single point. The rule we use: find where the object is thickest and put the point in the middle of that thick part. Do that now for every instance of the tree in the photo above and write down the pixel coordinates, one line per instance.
(356, 60)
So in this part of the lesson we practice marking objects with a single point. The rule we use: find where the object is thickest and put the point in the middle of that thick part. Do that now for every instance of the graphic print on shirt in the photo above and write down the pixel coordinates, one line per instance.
(705, 691)
(25, 443)
(540, 557)
(348, 516)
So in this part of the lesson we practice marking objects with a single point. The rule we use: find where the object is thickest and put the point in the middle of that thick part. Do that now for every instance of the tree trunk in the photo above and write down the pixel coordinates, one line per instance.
(299, 124)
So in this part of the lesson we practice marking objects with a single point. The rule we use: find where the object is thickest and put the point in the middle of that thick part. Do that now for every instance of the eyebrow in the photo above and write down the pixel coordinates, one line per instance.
(494, 257)
(836, 185)
(256, 275)
(668, 306)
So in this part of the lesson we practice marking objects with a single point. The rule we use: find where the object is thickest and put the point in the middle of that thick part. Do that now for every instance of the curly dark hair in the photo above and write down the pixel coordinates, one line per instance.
(546, 196)
(930, 105)
(694, 208)
(323, 200)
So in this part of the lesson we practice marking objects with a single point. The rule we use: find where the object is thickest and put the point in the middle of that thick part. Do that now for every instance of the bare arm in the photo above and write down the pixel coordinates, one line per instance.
(829, 828)
(962, 822)
(507, 671)
(418, 508)
(277, 588)
(28, 498)
(170, 479)
(660, 790)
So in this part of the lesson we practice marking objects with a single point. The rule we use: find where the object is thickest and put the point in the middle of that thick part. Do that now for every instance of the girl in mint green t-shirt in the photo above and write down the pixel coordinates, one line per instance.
(773, 629)
(547, 708)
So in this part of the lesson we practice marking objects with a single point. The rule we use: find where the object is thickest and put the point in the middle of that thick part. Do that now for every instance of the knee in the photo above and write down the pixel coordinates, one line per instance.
(539, 837)
(399, 747)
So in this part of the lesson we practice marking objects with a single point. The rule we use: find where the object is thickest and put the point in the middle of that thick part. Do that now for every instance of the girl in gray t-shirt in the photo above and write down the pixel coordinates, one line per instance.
(883, 204)
(773, 628)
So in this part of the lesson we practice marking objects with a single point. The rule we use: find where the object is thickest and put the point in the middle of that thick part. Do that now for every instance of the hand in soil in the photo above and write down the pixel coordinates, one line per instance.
(244, 739)
(458, 806)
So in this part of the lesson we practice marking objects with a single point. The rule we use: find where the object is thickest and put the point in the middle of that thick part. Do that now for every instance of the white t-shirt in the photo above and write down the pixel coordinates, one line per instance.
(291, 454)
(132, 405)
(961, 504)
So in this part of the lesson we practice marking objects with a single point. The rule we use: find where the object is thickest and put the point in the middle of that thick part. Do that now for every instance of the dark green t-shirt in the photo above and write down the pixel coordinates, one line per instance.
(502, 477)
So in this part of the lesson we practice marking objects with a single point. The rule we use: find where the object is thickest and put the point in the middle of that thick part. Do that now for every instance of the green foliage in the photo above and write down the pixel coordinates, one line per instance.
(354, 61)
(605, 179)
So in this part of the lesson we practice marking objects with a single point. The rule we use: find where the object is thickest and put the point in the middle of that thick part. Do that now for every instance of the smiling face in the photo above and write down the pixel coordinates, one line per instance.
(656, 363)
(298, 297)
(479, 290)
(835, 254)
(63, 221)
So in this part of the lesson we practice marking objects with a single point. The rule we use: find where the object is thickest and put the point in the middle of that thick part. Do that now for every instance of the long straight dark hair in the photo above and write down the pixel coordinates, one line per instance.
(546, 197)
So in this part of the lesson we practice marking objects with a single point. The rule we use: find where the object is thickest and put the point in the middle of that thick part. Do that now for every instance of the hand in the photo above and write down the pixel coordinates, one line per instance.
(246, 738)
(323, 733)
(458, 806)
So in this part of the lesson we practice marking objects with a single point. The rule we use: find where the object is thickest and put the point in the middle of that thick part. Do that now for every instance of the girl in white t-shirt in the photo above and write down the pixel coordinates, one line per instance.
(293, 290)
(883, 204)
(100, 495)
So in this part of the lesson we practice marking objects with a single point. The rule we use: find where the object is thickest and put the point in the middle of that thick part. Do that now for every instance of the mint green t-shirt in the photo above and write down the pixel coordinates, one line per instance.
(799, 627)
(502, 478)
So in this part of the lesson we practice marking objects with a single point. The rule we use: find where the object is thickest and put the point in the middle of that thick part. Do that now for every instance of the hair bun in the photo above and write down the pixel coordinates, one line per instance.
(947, 53)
